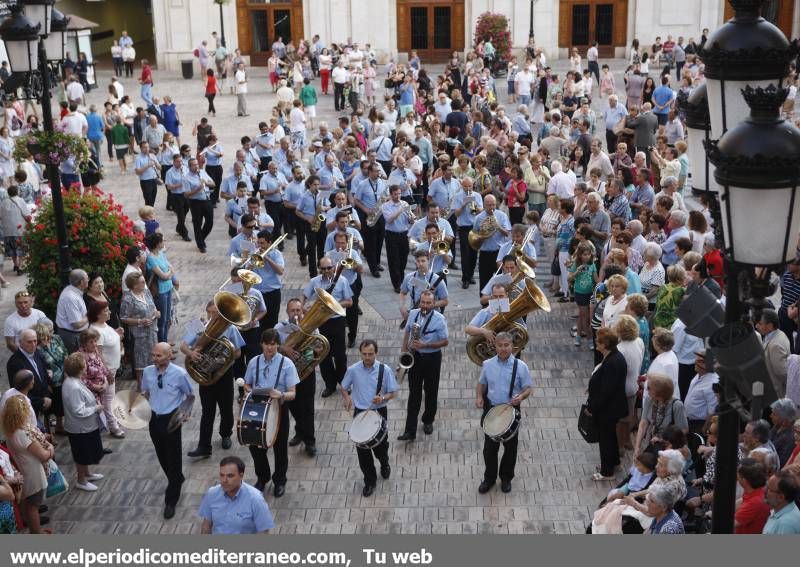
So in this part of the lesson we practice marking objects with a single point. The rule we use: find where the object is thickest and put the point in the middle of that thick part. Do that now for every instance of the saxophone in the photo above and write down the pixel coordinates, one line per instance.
(216, 354)
(319, 217)
(311, 345)
(374, 216)
(406, 360)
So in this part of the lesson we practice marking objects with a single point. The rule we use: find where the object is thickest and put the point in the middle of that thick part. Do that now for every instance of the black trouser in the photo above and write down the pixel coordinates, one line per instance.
(149, 191)
(611, 141)
(217, 394)
(487, 266)
(280, 451)
(396, 255)
(129, 68)
(334, 365)
(685, 374)
(373, 240)
(275, 210)
(302, 409)
(215, 173)
(168, 450)
(315, 246)
(109, 145)
(338, 96)
(788, 326)
(351, 313)
(609, 449)
(678, 67)
(210, 98)
(491, 448)
(386, 164)
(696, 426)
(299, 234)
(594, 69)
(181, 206)
(272, 299)
(469, 256)
(365, 460)
(516, 214)
(454, 228)
(252, 339)
(202, 220)
(289, 221)
(424, 375)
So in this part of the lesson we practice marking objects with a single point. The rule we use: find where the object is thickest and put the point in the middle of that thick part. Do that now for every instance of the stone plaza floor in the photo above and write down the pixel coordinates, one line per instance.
(433, 487)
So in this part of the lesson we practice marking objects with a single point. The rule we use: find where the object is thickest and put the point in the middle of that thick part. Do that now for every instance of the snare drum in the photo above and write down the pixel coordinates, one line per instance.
(259, 421)
(501, 423)
(368, 430)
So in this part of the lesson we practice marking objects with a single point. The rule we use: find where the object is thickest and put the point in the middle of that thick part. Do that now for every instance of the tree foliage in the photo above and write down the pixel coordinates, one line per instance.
(496, 27)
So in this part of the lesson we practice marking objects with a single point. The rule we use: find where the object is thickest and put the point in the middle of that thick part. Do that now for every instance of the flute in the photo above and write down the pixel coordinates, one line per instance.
(208, 148)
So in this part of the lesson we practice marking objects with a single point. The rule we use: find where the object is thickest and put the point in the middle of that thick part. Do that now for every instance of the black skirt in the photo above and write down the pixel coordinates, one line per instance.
(87, 448)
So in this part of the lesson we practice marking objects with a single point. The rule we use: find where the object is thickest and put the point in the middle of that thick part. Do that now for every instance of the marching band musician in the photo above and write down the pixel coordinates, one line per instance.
(272, 185)
(302, 407)
(405, 179)
(340, 204)
(368, 385)
(367, 197)
(509, 270)
(235, 209)
(213, 152)
(467, 205)
(334, 365)
(263, 220)
(475, 327)
(342, 226)
(396, 215)
(353, 277)
(247, 168)
(443, 190)
(284, 156)
(244, 243)
(198, 183)
(219, 394)
(417, 232)
(275, 372)
(148, 169)
(264, 143)
(306, 211)
(228, 188)
(291, 199)
(166, 152)
(251, 332)
(418, 281)
(325, 151)
(166, 386)
(330, 176)
(175, 181)
(518, 234)
(488, 252)
(437, 261)
(424, 375)
(251, 157)
(271, 272)
(504, 380)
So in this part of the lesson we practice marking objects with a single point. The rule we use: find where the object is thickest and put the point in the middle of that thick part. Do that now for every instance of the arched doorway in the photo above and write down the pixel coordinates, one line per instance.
(581, 22)
(261, 22)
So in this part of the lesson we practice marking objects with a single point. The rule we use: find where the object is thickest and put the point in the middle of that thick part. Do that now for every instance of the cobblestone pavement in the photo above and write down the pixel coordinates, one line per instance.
(433, 488)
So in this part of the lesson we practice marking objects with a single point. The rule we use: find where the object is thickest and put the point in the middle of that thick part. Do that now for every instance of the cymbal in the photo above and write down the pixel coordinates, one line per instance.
(131, 409)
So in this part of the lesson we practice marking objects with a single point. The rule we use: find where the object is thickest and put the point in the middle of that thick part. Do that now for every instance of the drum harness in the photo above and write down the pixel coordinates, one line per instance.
(510, 388)
(280, 367)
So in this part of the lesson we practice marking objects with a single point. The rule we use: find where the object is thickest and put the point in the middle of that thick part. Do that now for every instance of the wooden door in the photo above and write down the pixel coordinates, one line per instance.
(778, 12)
(581, 22)
(260, 23)
(433, 29)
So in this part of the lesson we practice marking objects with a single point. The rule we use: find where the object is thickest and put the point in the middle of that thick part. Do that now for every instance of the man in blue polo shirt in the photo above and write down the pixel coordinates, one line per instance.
(233, 507)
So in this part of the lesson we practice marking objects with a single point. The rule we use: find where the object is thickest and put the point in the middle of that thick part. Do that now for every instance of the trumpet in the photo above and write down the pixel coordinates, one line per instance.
(412, 218)
(440, 246)
(473, 208)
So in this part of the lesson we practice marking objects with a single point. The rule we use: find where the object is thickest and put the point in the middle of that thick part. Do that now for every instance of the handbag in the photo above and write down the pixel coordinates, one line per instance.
(586, 425)
(619, 126)
(56, 483)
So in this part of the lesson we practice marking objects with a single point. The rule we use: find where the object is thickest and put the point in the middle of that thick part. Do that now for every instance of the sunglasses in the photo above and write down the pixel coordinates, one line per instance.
(326, 267)
(251, 226)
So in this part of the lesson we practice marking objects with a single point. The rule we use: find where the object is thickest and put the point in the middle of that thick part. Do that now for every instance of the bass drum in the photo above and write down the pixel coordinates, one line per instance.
(368, 430)
(501, 423)
(259, 421)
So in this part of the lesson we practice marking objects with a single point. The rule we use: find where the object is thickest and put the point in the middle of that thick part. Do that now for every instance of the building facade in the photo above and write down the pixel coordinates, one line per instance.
(436, 28)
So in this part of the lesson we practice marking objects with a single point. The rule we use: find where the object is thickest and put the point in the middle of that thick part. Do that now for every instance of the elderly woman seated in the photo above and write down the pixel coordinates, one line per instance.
(660, 504)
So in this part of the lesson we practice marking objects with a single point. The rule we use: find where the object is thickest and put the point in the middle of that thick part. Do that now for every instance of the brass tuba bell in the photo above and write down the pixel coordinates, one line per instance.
(312, 346)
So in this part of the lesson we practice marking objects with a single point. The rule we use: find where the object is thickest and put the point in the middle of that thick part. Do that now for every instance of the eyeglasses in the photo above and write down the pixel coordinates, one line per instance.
(250, 226)
(326, 267)
(161, 381)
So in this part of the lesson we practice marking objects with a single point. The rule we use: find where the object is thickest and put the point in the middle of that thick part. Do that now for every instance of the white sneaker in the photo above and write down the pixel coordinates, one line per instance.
(87, 486)
(95, 476)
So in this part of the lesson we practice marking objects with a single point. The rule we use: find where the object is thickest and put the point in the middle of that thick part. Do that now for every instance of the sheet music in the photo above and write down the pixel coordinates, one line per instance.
(499, 305)
(194, 327)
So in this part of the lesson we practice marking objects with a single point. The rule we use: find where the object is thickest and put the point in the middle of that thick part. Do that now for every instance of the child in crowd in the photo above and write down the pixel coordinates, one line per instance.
(639, 476)
(148, 216)
(607, 86)
(583, 276)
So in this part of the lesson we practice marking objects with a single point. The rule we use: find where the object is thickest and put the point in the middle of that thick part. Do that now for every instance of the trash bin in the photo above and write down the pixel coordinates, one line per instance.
(187, 67)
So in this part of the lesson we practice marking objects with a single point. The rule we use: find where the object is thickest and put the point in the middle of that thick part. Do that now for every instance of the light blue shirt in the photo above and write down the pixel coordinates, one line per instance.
(263, 373)
(443, 192)
(368, 192)
(174, 177)
(340, 292)
(496, 374)
(685, 344)
(495, 241)
(125, 41)
(239, 243)
(193, 182)
(401, 222)
(266, 139)
(145, 160)
(308, 203)
(383, 148)
(417, 231)
(614, 115)
(439, 293)
(362, 383)
(330, 179)
(237, 288)
(214, 156)
(231, 333)
(431, 332)
(487, 289)
(670, 256)
(425, 150)
(235, 209)
(228, 185)
(176, 387)
(294, 192)
(319, 159)
(245, 513)
(349, 275)
(330, 240)
(405, 179)
(270, 280)
(505, 249)
(271, 184)
(784, 521)
(700, 400)
(159, 261)
(466, 218)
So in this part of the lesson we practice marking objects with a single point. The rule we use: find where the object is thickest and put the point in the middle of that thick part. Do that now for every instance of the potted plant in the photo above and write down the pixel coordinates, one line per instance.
(52, 148)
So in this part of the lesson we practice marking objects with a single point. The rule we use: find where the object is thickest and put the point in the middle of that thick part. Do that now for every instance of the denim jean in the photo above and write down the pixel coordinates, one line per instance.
(163, 303)
(147, 93)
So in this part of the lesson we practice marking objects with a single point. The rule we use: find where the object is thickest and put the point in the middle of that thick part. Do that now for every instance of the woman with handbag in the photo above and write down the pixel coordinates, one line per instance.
(607, 402)
(82, 421)
(139, 313)
(32, 452)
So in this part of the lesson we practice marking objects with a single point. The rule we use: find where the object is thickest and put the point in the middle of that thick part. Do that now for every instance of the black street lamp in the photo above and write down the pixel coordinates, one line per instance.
(28, 25)
(221, 3)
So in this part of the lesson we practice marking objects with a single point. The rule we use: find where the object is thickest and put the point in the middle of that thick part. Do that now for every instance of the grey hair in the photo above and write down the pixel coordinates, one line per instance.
(636, 227)
(784, 408)
(640, 154)
(770, 316)
(670, 180)
(675, 461)
(77, 276)
(555, 131)
(662, 496)
(556, 167)
(594, 197)
(760, 430)
(23, 378)
(653, 250)
(680, 217)
(710, 240)
(503, 336)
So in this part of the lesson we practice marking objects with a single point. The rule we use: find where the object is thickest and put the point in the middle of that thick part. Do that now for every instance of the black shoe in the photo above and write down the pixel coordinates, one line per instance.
(368, 490)
(376, 274)
(505, 486)
(303, 262)
(290, 236)
(351, 342)
(107, 451)
(199, 452)
(464, 285)
(260, 486)
(186, 239)
(380, 268)
(397, 289)
(311, 450)
(44, 520)
(453, 266)
(386, 470)
(295, 441)
(279, 490)
(360, 312)
(202, 249)
(563, 299)
(472, 281)
(169, 511)
(485, 486)
(43, 508)
(406, 436)
(427, 428)
(226, 443)
(327, 392)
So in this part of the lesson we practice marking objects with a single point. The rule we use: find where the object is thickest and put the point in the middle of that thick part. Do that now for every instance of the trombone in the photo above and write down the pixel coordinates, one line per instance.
(256, 259)
(348, 263)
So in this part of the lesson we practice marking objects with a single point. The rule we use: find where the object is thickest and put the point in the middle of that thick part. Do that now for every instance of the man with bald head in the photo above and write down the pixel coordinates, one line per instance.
(71, 315)
(495, 224)
(167, 386)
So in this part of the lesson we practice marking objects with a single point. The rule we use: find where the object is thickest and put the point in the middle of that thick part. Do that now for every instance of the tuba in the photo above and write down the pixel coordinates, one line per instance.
(531, 299)
(524, 270)
(488, 227)
(311, 345)
(217, 353)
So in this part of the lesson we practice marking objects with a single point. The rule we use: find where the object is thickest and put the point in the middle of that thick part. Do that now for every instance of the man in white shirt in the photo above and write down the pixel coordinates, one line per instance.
(75, 123)
(25, 317)
(297, 126)
(561, 184)
(75, 92)
(71, 316)
(522, 84)
(241, 91)
(701, 401)
(340, 77)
